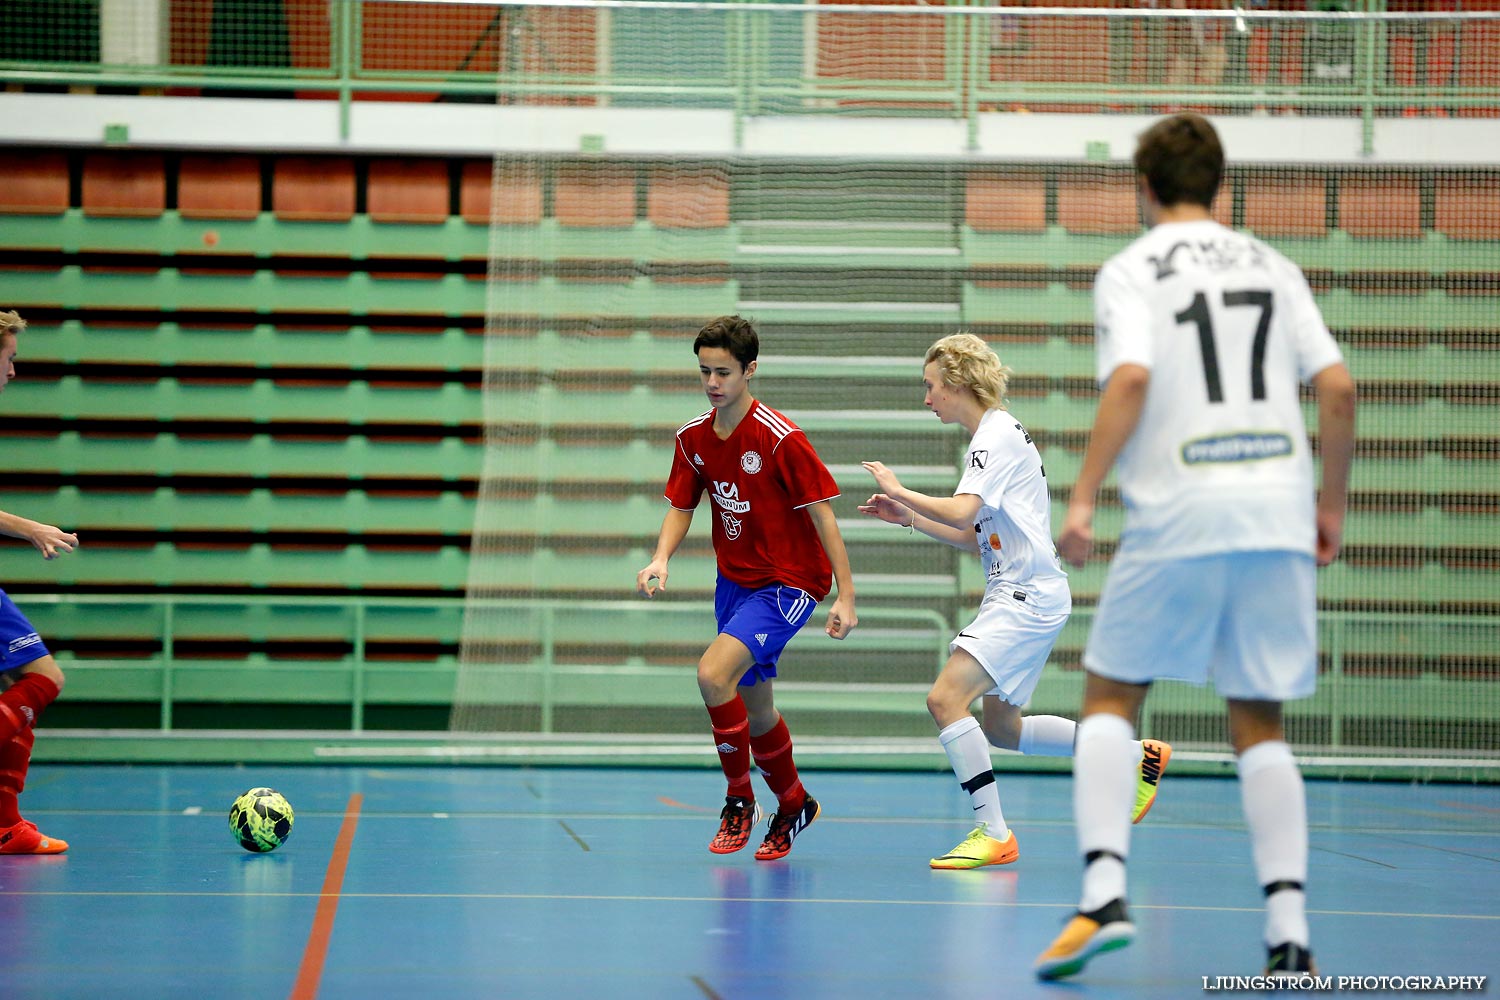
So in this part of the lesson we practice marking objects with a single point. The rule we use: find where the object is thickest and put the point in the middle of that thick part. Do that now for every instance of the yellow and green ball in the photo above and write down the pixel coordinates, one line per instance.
(260, 820)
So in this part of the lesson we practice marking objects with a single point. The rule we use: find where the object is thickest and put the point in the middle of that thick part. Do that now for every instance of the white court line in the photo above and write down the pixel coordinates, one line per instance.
(809, 746)
(1071, 904)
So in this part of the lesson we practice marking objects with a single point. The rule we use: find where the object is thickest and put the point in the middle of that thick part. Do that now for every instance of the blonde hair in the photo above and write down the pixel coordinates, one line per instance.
(965, 361)
(11, 323)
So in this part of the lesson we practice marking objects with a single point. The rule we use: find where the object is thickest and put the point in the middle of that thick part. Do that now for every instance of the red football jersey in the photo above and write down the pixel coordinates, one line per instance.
(760, 480)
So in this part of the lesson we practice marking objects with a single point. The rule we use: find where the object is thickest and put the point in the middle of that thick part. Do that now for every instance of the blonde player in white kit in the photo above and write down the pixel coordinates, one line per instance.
(1204, 336)
(1000, 510)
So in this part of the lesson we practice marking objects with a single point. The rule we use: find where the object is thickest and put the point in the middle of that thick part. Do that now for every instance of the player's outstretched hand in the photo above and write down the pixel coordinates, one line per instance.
(1330, 537)
(1077, 539)
(51, 541)
(841, 618)
(888, 510)
(884, 477)
(651, 579)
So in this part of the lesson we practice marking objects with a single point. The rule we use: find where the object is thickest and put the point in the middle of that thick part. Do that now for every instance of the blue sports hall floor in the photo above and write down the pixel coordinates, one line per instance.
(559, 883)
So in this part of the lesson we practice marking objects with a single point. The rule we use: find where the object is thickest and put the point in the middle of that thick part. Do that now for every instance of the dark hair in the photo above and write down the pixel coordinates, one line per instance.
(1181, 159)
(734, 334)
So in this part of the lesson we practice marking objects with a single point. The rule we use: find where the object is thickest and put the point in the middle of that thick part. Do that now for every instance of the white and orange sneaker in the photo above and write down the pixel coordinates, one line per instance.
(1086, 935)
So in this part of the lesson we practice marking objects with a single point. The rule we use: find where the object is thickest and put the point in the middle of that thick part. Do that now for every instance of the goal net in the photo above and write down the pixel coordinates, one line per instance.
(861, 180)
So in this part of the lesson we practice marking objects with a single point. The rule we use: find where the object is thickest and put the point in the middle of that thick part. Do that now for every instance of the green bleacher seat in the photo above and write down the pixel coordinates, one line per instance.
(357, 348)
(164, 565)
(362, 294)
(362, 238)
(261, 400)
(1059, 304)
(1337, 252)
(262, 509)
(355, 457)
(354, 348)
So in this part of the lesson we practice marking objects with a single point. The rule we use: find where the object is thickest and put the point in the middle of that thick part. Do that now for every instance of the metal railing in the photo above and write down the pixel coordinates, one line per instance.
(349, 620)
(1414, 673)
(761, 58)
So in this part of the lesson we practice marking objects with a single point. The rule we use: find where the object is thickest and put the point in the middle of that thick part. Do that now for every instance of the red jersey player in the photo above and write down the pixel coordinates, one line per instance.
(30, 678)
(777, 544)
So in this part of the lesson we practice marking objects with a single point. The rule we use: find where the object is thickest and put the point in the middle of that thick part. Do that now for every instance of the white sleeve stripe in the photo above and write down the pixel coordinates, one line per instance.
(811, 502)
(696, 421)
(778, 427)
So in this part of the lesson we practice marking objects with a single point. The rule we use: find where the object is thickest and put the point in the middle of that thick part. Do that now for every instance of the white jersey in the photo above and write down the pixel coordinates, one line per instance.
(1014, 524)
(1219, 461)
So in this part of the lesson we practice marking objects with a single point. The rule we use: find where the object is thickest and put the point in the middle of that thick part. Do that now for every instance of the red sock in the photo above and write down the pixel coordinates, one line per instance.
(15, 759)
(773, 755)
(732, 738)
(23, 701)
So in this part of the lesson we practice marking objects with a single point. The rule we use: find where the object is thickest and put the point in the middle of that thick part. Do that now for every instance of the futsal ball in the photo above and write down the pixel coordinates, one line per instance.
(260, 820)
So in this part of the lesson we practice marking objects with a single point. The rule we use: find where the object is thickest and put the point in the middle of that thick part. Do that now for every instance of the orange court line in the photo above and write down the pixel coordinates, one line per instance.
(681, 805)
(311, 971)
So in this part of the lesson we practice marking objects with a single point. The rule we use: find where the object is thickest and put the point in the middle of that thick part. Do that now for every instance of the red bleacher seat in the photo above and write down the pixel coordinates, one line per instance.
(313, 188)
(1008, 201)
(34, 183)
(688, 198)
(219, 187)
(407, 190)
(124, 184)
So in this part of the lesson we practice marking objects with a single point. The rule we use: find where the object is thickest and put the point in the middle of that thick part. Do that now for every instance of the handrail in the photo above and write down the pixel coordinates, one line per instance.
(693, 607)
(1335, 624)
(359, 607)
(748, 84)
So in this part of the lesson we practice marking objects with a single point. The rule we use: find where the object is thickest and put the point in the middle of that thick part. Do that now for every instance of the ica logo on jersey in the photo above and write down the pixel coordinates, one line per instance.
(727, 495)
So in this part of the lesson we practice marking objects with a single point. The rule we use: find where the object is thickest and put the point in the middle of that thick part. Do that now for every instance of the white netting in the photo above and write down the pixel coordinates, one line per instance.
(860, 183)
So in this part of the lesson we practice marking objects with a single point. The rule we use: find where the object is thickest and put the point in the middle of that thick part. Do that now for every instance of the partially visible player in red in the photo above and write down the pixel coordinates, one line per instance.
(30, 677)
(778, 545)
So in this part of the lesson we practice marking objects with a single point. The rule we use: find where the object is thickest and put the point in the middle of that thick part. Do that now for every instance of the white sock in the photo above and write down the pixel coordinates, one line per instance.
(1275, 805)
(969, 754)
(1104, 768)
(1047, 736)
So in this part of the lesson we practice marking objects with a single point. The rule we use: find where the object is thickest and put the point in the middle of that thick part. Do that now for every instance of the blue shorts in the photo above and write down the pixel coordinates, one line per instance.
(764, 620)
(19, 643)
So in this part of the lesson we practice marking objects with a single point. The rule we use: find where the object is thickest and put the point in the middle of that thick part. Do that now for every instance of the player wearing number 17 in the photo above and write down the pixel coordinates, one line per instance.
(1203, 336)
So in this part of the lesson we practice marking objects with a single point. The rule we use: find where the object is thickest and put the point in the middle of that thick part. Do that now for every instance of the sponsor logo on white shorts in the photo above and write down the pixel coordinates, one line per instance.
(1237, 448)
(24, 641)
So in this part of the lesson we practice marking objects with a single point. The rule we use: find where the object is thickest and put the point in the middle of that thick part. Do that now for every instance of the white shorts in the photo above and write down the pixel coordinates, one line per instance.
(1012, 642)
(1245, 620)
